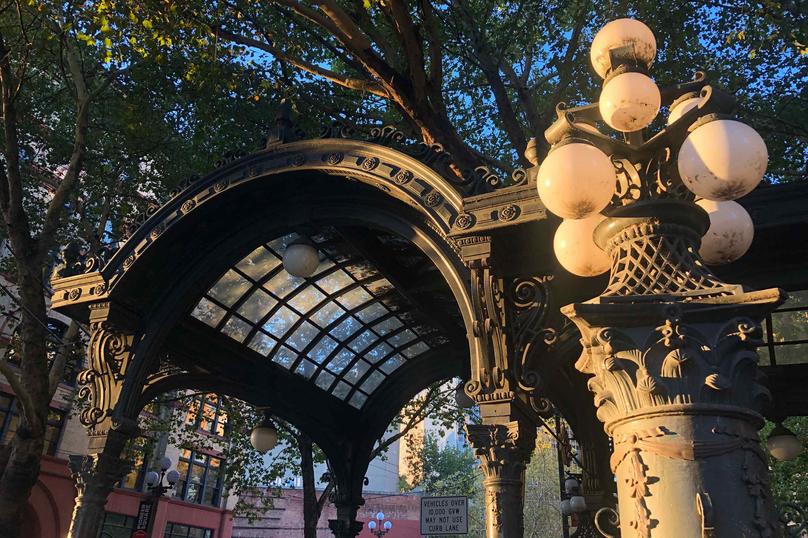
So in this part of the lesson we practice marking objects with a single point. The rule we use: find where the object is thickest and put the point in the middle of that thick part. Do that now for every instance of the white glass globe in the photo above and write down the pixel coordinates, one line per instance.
(172, 476)
(165, 463)
(730, 234)
(576, 250)
(621, 33)
(152, 477)
(570, 485)
(578, 503)
(566, 509)
(783, 445)
(722, 160)
(372, 525)
(576, 180)
(380, 516)
(264, 438)
(301, 260)
(388, 525)
(629, 102)
(681, 108)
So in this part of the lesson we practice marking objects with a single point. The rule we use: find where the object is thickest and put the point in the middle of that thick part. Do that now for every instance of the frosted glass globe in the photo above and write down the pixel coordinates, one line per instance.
(722, 160)
(301, 260)
(576, 250)
(577, 503)
(629, 102)
(372, 525)
(681, 108)
(388, 525)
(264, 438)
(730, 234)
(565, 507)
(784, 446)
(576, 180)
(621, 33)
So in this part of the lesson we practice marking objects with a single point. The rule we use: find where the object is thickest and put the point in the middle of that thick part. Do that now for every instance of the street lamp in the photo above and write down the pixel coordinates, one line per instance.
(301, 258)
(264, 437)
(783, 445)
(575, 503)
(669, 346)
(154, 480)
(701, 154)
(379, 527)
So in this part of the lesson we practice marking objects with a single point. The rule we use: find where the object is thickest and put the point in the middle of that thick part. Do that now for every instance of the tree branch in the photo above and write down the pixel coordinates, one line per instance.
(13, 378)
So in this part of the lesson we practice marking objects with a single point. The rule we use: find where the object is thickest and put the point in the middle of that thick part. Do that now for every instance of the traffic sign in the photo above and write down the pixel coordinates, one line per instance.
(444, 515)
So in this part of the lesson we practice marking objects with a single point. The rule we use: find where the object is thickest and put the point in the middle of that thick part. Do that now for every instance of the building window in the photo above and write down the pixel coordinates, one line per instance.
(201, 477)
(207, 413)
(786, 332)
(175, 530)
(136, 454)
(117, 526)
(10, 420)
(53, 343)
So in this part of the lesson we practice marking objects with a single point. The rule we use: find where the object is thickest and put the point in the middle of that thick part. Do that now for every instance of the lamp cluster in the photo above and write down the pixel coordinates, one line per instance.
(702, 148)
(379, 527)
(575, 503)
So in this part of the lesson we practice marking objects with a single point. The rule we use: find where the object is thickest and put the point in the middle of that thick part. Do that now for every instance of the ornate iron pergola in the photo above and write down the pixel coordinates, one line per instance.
(426, 274)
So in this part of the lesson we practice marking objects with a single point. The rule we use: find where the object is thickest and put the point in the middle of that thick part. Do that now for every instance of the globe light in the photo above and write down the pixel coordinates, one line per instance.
(165, 463)
(722, 160)
(576, 250)
(578, 503)
(380, 516)
(172, 477)
(629, 102)
(576, 180)
(783, 445)
(388, 525)
(622, 33)
(566, 509)
(730, 234)
(372, 525)
(152, 477)
(264, 437)
(681, 108)
(301, 259)
(570, 485)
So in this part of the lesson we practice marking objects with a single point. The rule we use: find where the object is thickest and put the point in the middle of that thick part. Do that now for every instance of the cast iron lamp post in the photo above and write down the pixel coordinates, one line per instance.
(669, 346)
(154, 480)
(379, 527)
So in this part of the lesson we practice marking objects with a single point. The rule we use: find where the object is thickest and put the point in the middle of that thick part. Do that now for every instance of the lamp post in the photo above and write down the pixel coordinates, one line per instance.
(669, 346)
(379, 527)
(157, 489)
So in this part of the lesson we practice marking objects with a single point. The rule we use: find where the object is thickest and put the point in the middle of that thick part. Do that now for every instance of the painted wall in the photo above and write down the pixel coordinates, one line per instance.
(51, 506)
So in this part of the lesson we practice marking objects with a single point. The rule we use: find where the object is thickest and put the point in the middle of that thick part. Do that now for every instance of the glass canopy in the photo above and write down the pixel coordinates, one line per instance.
(345, 328)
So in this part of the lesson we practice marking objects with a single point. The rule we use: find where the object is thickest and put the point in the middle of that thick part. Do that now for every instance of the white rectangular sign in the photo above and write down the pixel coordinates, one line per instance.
(444, 515)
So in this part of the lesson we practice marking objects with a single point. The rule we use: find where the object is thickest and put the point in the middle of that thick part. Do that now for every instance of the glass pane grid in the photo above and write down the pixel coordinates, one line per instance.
(344, 328)
(786, 332)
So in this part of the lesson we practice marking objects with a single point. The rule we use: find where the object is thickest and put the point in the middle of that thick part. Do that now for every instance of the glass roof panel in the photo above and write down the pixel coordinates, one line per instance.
(345, 326)
(307, 299)
(257, 306)
(372, 382)
(262, 343)
(327, 314)
(283, 283)
(358, 400)
(229, 288)
(258, 263)
(280, 322)
(341, 361)
(208, 312)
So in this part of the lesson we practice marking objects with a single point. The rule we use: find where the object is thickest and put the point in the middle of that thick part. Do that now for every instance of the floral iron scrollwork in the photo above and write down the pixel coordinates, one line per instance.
(510, 324)
(109, 353)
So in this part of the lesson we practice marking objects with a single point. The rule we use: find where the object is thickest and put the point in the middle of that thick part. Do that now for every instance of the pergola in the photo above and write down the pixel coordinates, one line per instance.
(426, 274)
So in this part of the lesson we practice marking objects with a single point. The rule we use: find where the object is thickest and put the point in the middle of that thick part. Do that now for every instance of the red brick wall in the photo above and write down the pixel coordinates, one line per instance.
(285, 519)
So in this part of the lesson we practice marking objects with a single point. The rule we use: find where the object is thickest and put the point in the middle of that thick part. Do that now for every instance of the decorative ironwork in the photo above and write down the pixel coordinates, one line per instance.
(792, 518)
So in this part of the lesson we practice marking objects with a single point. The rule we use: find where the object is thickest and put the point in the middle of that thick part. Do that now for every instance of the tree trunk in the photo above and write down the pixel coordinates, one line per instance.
(311, 508)
(22, 466)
